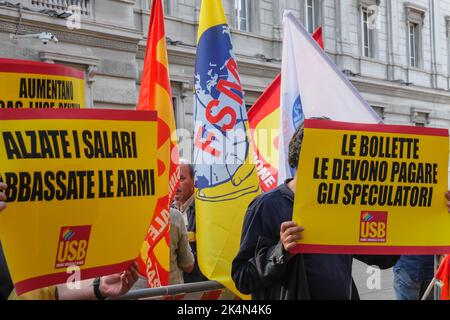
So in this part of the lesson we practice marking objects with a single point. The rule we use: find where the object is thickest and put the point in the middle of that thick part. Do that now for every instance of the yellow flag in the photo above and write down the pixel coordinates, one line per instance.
(225, 176)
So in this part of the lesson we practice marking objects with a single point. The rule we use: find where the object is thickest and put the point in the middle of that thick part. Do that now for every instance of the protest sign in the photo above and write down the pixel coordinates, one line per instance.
(372, 189)
(81, 191)
(31, 84)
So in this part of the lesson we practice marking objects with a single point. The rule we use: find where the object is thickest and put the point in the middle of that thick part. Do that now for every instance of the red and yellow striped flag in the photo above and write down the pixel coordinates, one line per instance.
(443, 274)
(155, 94)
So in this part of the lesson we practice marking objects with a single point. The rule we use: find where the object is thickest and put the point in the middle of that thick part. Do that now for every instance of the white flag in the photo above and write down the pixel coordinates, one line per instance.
(312, 86)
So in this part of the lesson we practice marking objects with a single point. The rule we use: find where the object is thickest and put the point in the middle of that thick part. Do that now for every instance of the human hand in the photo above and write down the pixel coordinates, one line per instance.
(118, 284)
(290, 233)
(2, 196)
(447, 195)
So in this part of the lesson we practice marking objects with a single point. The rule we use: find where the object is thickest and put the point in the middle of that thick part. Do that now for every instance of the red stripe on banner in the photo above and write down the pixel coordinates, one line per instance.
(212, 295)
(80, 114)
(346, 126)
(157, 29)
(161, 77)
(379, 250)
(57, 278)
(266, 184)
(266, 104)
(34, 67)
(154, 74)
(443, 274)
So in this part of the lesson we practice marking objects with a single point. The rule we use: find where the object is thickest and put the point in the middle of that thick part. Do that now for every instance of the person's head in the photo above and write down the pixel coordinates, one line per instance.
(186, 187)
(295, 146)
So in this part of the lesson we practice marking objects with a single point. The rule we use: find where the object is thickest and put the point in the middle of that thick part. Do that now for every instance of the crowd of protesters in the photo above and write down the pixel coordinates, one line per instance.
(263, 267)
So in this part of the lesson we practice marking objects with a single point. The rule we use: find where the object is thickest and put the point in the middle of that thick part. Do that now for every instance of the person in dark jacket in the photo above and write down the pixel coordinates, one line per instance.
(264, 267)
(6, 285)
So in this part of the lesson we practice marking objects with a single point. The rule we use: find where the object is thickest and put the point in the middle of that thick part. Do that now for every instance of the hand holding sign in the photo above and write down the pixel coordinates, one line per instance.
(118, 284)
(2, 197)
(447, 195)
(111, 286)
(290, 234)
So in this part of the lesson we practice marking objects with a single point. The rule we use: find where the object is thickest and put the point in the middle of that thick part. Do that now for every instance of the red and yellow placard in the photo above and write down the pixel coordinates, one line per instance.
(372, 189)
(81, 191)
(30, 84)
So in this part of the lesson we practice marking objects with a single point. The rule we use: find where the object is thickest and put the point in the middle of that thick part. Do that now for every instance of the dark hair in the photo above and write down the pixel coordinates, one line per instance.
(295, 146)
(191, 170)
(190, 165)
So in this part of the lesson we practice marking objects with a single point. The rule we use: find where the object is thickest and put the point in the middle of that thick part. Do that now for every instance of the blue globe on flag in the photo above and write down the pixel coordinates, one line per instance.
(221, 140)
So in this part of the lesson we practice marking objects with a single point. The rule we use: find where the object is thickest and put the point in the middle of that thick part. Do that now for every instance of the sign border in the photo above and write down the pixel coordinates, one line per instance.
(39, 68)
(365, 127)
(80, 114)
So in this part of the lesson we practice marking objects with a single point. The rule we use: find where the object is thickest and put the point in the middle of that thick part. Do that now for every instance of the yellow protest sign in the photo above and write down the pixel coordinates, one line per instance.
(30, 84)
(372, 189)
(81, 191)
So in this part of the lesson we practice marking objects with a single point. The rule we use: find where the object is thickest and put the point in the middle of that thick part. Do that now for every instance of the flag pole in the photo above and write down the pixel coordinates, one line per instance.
(437, 292)
(434, 284)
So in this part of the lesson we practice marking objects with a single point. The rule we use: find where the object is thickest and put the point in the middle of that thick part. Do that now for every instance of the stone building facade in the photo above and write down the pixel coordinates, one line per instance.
(397, 53)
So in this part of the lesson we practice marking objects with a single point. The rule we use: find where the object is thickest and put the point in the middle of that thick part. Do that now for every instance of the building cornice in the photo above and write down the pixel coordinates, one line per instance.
(90, 62)
(368, 3)
(92, 33)
(194, 24)
(403, 67)
(88, 24)
(76, 37)
(186, 56)
(415, 13)
(52, 56)
(126, 1)
(397, 90)
(415, 7)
